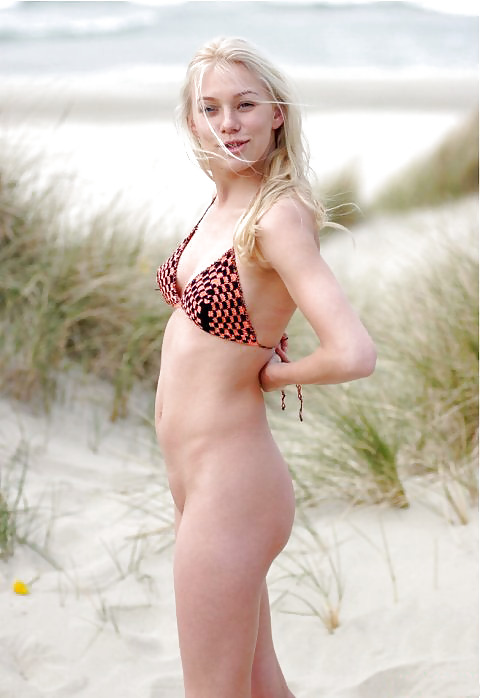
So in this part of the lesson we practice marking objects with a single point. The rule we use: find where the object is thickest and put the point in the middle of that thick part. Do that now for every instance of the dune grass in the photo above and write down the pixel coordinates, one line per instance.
(12, 504)
(418, 414)
(442, 352)
(21, 522)
(74, 295)
(448, 172)
(315, 568)
(9, 512)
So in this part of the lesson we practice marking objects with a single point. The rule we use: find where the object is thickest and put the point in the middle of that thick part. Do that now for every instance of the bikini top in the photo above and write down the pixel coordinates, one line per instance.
(213, 299)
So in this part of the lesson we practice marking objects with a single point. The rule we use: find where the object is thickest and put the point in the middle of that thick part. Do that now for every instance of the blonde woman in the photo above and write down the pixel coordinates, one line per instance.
(234, 283)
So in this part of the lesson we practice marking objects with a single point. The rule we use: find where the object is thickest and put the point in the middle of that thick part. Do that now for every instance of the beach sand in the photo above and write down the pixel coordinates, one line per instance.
(99, 620)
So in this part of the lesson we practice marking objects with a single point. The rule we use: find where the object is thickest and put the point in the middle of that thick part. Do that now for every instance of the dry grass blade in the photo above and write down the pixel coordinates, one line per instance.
(317, 574)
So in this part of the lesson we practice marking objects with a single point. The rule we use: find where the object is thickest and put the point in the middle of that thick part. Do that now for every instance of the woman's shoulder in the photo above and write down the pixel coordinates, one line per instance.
(286, 216)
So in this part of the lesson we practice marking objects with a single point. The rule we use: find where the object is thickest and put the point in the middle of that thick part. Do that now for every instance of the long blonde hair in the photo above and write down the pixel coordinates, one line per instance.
(286, 170)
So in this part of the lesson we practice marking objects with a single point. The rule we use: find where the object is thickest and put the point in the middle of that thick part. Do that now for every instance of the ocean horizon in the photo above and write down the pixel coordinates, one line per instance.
(81, 38)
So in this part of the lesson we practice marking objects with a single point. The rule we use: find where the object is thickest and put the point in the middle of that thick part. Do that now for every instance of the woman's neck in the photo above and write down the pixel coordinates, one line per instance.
(237, 192)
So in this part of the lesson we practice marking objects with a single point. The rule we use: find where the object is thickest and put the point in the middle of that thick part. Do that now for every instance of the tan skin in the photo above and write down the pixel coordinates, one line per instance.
(233, 494)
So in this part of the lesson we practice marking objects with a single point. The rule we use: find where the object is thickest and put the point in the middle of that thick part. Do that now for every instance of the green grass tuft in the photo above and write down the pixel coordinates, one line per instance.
(13, 507)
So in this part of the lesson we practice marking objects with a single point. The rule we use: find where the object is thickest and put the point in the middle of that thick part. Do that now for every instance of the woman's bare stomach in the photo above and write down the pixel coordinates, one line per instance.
(210, 411)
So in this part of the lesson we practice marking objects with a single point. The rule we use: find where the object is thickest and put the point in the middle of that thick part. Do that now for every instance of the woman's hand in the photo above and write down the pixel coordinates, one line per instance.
(270, 375)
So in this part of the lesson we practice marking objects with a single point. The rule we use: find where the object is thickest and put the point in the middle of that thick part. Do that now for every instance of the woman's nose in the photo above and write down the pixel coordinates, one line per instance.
(230, 121)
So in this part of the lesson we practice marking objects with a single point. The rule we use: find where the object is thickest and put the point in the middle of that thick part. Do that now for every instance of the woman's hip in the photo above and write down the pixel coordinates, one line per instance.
(238, 475)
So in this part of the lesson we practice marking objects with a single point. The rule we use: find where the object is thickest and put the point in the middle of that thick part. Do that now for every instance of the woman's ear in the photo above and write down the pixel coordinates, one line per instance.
(192, 127)
(277, 117)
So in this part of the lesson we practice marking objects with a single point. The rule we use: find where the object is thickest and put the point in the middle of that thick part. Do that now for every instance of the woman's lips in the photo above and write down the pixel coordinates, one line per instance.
(235, 146)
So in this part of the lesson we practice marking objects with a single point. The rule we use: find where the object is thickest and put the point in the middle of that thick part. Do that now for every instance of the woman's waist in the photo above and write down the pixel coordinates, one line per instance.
(213, 378)
(209, 395)
(192, 420)
(206, 383)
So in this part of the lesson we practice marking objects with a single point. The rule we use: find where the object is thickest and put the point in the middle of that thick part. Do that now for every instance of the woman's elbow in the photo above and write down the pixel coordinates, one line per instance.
(362, 361)
(369, 360)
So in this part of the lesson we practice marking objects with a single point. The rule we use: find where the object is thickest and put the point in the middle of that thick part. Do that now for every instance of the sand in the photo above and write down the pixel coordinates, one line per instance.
(99, 620)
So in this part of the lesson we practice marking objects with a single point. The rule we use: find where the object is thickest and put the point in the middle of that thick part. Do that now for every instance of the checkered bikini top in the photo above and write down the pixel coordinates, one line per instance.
(213, 299)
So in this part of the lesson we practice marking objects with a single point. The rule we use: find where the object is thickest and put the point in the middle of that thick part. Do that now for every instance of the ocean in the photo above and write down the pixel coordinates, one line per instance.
(90, 88)
(43, 38)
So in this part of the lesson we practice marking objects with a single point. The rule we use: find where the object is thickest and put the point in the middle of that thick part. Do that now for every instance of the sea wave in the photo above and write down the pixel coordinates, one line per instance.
(53, 20)
(25, 20)
(61, 37)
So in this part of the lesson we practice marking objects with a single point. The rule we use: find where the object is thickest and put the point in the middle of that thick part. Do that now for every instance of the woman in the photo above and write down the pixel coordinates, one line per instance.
(235, 282)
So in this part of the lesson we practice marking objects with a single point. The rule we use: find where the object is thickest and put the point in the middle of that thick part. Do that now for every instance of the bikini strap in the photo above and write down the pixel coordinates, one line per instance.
(205, 212)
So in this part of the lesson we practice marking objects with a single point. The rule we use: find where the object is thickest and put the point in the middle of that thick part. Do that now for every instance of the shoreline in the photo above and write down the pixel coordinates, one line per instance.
(114, 97)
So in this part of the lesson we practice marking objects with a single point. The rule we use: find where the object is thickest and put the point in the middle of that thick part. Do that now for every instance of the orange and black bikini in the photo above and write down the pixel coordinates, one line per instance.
(213, 299)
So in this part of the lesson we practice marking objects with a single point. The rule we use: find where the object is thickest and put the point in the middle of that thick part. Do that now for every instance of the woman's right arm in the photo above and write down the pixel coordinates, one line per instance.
(345, 351)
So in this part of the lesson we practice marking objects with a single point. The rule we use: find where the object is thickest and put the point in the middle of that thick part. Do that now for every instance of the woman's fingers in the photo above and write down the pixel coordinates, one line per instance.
(282, 354)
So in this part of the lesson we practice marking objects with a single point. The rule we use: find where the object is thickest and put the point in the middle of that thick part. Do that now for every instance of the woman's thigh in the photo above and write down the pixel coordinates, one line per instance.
(218, 582)
(230, 530)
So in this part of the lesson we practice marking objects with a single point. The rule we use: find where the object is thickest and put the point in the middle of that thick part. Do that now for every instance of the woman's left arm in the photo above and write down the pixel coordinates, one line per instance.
(346, 352)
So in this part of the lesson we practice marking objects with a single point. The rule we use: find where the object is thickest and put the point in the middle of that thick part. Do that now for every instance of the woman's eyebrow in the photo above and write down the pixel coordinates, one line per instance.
(239, 94)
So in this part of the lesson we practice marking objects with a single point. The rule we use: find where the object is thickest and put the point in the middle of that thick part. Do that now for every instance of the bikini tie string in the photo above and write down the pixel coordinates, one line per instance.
(300, 398)
(284, 347)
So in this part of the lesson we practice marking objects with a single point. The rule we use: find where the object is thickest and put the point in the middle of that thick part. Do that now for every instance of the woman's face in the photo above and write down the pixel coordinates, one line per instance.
(234, 109)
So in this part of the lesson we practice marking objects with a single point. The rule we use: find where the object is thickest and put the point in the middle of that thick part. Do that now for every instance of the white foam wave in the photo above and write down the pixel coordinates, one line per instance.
(57, 23)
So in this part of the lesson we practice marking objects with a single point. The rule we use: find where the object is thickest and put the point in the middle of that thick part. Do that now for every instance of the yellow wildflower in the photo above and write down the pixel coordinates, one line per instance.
(20, 587)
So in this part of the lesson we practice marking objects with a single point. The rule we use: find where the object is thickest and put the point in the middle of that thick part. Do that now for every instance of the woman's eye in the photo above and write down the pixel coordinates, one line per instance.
(207, 109)
(246, 105)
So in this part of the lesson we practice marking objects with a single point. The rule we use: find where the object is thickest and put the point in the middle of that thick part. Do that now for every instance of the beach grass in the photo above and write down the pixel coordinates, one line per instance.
(21, 521)
(447, 173)
(8, 528)
(441, 352)
(316, 583)
(12, 503)
(418, 414)
(450, 171)
(75, 294)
